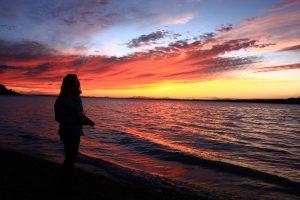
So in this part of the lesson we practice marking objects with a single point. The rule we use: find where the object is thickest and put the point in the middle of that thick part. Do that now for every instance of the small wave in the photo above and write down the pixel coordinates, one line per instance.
(162, 152)
(226, 167)
(155, 182)
(126, 174)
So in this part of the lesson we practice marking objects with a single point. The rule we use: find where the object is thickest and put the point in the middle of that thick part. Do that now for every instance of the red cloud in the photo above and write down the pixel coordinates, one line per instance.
(180, 61)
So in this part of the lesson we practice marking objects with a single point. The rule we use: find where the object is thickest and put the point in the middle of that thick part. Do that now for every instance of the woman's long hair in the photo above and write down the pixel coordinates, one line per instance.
(70, 86)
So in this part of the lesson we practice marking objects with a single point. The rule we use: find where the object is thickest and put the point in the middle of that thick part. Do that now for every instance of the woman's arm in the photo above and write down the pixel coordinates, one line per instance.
(88, 121)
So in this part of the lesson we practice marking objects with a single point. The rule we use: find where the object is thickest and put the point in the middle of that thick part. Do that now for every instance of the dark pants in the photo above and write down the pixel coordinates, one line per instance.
(71, 146)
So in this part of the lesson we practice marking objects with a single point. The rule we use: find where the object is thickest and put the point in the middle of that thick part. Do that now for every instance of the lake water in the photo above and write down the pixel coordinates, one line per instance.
(236, 146)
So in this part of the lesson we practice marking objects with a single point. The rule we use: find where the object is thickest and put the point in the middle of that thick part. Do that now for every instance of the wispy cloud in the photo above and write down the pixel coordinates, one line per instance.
(148, 39)
(278, 28)
(24, 50)
(284, 4)
(63, 23)
(181, 19)
(291, 48)
(278, 68)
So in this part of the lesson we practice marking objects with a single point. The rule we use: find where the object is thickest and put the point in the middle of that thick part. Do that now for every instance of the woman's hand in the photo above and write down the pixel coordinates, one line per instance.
(88, 121)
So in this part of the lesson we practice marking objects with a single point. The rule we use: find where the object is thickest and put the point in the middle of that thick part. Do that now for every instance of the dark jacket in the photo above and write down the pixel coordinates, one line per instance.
(69, 114)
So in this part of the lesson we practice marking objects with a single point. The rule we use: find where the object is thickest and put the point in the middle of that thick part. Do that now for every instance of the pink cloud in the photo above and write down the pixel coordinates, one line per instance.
(278, 68)
(284, 5)
(291, 48)
(277, 28)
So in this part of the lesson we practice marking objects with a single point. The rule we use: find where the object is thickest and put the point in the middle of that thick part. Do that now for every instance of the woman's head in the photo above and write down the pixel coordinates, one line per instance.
(70, 86)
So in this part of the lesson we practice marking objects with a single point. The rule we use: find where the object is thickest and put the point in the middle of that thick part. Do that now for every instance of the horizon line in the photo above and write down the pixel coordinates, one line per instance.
(185, 99)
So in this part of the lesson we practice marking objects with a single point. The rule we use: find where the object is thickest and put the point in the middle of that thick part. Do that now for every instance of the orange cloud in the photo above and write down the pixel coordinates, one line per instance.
(180, 61)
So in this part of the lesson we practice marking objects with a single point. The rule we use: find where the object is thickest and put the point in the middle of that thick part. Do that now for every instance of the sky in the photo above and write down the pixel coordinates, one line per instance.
(183, 49)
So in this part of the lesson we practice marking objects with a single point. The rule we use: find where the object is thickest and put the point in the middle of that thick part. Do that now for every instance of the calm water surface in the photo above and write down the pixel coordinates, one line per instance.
(167, 138)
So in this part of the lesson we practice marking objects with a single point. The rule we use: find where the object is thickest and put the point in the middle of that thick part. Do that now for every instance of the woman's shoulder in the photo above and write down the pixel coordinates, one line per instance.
(62, 100)
(67, 100)
(58, 101)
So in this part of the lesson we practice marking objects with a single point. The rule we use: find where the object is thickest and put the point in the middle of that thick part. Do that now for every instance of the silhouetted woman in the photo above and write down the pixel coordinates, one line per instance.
(69, 114)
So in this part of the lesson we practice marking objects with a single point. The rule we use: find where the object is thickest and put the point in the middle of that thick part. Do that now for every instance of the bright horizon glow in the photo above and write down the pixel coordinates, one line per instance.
(157, 49)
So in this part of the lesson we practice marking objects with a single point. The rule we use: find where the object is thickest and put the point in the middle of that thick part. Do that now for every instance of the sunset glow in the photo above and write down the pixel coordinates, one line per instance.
(162, 49)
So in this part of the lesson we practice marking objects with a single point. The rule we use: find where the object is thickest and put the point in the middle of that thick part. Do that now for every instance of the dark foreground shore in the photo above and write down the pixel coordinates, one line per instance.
(27, 177)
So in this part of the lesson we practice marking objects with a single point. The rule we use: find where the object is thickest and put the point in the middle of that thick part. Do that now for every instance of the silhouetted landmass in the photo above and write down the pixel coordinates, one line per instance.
(5, 91)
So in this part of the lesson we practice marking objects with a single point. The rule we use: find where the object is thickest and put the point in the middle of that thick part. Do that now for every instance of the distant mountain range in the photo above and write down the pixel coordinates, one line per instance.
(295, 100)
(5, 91)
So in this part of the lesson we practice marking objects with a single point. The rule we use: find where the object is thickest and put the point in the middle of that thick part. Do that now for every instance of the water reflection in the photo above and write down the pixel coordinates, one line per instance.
(165, 137)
